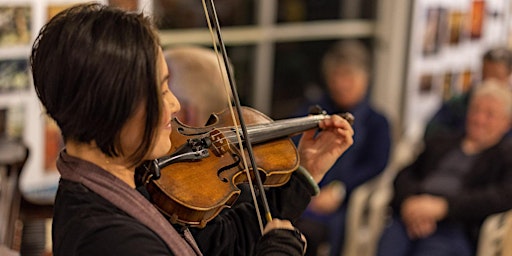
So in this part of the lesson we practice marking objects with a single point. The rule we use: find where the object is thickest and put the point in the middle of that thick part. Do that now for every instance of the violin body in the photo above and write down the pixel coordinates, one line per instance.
(193, 194)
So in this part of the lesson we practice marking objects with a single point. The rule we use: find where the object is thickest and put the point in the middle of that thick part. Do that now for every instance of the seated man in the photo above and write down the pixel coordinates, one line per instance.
(195, 75)
(443, 197)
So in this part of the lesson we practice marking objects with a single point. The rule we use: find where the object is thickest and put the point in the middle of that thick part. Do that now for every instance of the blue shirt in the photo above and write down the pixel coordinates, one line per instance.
(369, 154)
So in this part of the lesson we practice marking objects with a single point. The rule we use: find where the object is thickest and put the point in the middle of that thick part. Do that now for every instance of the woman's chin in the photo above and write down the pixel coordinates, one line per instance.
(161, 150)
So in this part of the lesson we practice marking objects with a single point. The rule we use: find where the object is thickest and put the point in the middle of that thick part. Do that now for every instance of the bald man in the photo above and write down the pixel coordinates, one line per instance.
(196, 77)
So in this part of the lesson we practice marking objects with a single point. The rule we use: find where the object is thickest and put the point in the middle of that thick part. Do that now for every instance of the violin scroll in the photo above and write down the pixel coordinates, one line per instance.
(349, 117)
(317, 110)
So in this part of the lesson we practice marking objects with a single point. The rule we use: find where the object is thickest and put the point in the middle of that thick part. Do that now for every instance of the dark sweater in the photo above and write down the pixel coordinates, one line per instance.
(86, 224)
(485, 188)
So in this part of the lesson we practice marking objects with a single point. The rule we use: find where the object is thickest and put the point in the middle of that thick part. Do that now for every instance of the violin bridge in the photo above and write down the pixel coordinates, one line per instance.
(219, 142)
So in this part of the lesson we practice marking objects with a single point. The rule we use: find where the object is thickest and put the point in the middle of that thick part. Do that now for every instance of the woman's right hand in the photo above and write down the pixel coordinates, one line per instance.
(281, 224)
(278, 224)
(280, 237)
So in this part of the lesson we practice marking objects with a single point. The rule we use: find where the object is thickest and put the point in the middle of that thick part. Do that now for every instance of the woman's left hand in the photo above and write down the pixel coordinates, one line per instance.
(318, 152)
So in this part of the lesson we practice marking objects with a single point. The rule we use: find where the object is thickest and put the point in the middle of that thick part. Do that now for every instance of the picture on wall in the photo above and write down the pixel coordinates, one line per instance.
(456, 27)
(477, 19)
(447, 91)
(457, 83)
(56, 8)
(467, 80)
(14, 75)
(431, 36)
(15, 25)
(436, 30)
(426, 83)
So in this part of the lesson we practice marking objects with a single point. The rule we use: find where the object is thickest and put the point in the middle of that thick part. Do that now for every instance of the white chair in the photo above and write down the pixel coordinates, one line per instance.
(496, 235)
(367, 214)
(368, 209)
(13, 155)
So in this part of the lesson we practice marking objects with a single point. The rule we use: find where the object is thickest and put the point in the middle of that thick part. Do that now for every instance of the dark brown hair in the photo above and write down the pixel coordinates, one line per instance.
(92, 66)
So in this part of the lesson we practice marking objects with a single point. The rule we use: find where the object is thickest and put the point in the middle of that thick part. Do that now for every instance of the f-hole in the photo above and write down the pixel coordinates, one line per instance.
(236, 162)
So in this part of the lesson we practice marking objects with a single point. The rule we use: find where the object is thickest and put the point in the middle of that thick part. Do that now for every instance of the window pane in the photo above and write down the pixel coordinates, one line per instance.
(309, 10)
(242, 59)
(174, 14)
(296, 70)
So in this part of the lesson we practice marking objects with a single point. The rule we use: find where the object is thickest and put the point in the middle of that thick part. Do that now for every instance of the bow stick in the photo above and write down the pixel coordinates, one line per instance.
(238, 108)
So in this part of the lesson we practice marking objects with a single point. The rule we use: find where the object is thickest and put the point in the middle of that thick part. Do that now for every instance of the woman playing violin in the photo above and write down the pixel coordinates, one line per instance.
(100, 73)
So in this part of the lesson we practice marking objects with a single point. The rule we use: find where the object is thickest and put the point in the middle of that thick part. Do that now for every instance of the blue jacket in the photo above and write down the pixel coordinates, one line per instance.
(369, 154)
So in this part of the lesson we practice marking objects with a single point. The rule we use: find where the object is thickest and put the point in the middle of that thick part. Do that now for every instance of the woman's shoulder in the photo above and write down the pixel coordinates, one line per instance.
(83, 221)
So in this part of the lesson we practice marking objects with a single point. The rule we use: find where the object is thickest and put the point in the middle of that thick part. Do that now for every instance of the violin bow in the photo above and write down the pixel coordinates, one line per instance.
(238, 108)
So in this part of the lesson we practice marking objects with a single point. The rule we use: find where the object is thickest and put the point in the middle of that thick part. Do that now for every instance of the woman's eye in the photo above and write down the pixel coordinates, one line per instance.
(165, 92)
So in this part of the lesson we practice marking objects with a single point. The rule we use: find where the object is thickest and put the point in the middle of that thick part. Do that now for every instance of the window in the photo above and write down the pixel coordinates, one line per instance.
(274, 45)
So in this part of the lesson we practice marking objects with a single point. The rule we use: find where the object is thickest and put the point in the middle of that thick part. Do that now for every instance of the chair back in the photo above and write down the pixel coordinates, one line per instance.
(13, 156)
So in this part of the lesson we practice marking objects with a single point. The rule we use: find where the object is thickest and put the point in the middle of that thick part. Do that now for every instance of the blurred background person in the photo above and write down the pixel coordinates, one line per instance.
(346, 70)
(451, 116)
(196, 77)
(443, 197)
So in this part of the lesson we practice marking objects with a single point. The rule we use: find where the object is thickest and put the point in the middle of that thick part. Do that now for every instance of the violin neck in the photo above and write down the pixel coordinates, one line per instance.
(282, 128)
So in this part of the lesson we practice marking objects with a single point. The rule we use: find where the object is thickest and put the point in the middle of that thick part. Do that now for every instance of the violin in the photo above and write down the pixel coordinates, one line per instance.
(193, 194)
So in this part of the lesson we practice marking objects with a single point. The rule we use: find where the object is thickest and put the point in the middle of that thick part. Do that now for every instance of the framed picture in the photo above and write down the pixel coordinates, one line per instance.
(426, 83)
(477, 19)
(456, 20)
(431, 37)
(15, 25)
(14, 75)
(53, 9)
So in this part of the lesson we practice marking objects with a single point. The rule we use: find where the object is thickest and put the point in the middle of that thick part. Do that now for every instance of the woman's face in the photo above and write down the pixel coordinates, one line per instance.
(132, 132)
(347, 85)
(487, 120)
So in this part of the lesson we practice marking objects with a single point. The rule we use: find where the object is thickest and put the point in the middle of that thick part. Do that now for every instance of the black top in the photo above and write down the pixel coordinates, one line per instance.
(87, 224)
(234, 231)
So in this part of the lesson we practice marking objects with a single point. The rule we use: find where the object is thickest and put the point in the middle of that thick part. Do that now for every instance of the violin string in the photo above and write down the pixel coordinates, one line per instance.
(253, 193)
(279, 125)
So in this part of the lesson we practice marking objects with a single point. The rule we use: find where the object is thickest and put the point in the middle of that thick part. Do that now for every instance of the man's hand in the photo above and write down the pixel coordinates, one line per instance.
(329, 199)
(421, 213)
